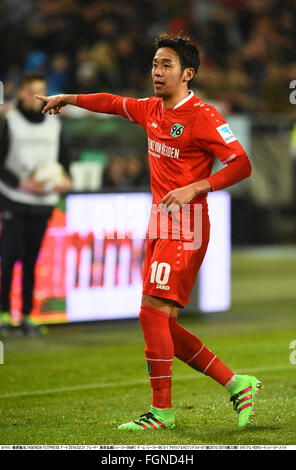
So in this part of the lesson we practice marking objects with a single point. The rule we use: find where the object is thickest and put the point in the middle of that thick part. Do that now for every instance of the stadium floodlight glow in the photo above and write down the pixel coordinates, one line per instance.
(214, 278)
(104, 261)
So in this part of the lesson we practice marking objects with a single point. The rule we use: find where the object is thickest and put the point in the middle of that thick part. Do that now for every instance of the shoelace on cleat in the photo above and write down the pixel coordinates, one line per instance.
(235, 400)
(145, 417)
(145, 420)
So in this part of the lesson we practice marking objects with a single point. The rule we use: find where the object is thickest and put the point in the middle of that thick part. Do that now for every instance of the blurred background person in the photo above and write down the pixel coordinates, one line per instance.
(114, 173)
(28, 142)
(126, 172)
(136, 172)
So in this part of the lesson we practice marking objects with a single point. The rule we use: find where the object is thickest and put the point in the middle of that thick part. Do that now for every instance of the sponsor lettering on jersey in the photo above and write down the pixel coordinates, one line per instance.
(226, 133)
(157, 149)
(161, 286)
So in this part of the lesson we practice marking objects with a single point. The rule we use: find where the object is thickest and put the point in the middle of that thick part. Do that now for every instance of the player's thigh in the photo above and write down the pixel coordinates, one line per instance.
(170, 270)
(158, 271)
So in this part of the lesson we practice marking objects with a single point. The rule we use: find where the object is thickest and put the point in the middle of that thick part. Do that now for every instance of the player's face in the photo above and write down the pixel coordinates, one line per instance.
(167, 73)
(27, 94)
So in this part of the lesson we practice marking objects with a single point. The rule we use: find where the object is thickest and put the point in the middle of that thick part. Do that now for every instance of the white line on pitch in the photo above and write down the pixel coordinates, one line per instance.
(127, 384)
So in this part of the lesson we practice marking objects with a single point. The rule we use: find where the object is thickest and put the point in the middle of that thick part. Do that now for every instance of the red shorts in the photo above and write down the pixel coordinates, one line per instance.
(170, 270)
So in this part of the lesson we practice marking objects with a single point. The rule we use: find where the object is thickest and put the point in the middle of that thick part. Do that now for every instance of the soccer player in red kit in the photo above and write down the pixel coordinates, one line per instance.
(184, 136)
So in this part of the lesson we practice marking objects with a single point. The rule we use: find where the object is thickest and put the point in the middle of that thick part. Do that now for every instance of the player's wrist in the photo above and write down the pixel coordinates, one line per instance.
(201, 187)
(69, 99)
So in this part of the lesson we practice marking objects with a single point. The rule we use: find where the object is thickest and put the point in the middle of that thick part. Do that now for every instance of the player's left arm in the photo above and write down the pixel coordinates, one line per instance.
(185, 194)
(216, 138)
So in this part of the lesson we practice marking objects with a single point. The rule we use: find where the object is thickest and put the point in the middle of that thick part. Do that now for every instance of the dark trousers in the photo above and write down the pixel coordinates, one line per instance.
(21, 238)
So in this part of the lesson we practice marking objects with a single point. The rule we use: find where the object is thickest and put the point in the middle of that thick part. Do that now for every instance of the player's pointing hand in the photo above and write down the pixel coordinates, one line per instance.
(53, 103)
(56, 102)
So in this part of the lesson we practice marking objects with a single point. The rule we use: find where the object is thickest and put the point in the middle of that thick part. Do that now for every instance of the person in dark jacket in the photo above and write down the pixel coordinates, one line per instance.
(34, 171)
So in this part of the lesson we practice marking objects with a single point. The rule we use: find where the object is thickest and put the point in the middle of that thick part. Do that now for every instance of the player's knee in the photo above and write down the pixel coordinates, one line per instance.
(158, 303)
(150, 316)
(144, 316)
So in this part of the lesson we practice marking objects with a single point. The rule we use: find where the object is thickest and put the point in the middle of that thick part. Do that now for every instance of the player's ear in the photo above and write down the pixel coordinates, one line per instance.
(188, 74)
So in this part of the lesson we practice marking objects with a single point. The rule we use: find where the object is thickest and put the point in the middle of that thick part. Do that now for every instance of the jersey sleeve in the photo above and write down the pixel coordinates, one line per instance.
(235, 171)
(136, 110)
(213, 134)
(130, 108)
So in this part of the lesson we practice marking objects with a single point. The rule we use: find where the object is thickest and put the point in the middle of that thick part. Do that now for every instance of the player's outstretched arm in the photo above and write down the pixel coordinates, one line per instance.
(106, 103)
(95, 102)
(55, 103)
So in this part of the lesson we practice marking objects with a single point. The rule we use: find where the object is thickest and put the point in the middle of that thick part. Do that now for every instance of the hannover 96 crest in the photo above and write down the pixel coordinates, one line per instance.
(176, 130)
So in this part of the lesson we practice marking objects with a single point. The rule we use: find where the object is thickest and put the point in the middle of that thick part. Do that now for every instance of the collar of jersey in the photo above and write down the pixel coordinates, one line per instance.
(184, 100)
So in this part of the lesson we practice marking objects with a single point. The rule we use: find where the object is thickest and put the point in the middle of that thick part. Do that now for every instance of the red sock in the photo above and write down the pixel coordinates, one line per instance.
(188, 348)
(159, 352)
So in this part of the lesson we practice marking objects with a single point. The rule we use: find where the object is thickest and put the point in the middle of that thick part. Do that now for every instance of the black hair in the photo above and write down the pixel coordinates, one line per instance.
(185, 48)
(29, 77)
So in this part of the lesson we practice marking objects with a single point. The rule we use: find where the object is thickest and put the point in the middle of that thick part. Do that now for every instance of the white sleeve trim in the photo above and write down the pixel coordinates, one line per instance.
(126, 111)
(229, 159)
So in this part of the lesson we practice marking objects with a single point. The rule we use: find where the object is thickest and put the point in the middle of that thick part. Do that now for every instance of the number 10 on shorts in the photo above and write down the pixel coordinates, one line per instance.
(160, 273)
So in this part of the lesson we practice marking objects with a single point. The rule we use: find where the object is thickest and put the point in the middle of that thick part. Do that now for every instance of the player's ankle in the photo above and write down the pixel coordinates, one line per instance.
(239, 381)
(162, 409)
(231, 382)
(162, 412)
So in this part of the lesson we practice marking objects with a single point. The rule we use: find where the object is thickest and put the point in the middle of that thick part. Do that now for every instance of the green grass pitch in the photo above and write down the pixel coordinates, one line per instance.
(77, 384)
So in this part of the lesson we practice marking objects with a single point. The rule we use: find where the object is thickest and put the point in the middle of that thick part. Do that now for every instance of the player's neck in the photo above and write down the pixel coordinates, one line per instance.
(173, 100)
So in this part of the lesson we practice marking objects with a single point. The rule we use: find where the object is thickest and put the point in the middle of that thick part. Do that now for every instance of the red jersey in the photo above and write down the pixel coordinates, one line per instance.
(182, 141)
